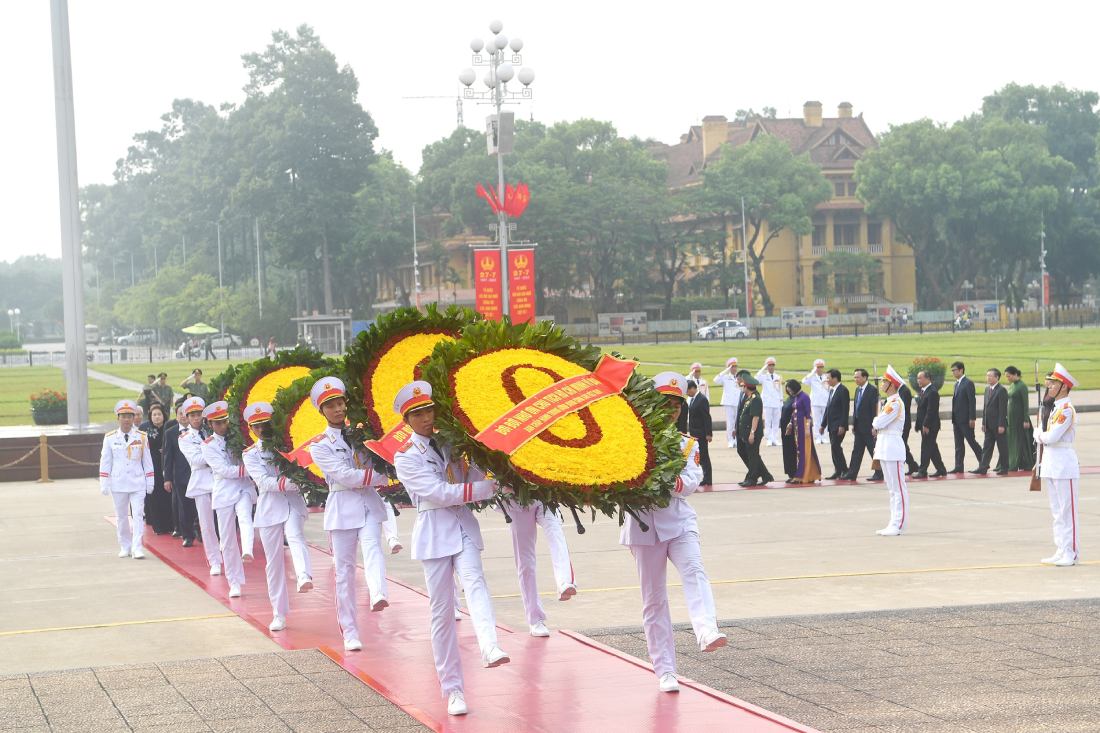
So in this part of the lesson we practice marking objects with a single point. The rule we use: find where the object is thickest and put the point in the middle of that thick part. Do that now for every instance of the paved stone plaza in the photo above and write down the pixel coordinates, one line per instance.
(830, 624)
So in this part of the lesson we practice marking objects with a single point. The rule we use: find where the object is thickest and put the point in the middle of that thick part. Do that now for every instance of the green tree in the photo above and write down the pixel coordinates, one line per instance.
(780, 191)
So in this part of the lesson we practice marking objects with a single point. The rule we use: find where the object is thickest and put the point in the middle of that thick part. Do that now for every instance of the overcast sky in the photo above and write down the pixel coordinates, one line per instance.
(653, 73)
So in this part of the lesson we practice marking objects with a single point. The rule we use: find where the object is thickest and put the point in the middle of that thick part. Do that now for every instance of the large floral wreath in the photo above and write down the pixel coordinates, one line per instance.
(260, 381)
(295, 424)
(219, 386)
(620, 453)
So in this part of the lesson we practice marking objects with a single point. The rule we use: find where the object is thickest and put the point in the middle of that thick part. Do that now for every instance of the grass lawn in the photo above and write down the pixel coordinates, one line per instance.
(17, 384)
(1077, 349)
(177, 369)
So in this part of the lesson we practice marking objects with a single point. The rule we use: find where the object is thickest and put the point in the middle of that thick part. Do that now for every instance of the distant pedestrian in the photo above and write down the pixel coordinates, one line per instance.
(864, 409)
(963, 416)
(800, 430)
(209, 347)
(158, 504)
(818, 382)
(731, 398)
(700, 428)
(696, 374)
(146, 395)
(126, 475)
(177, 473)
(271, 349)
(163, 392)
(196, 386)
(889, 451)
(750, 428)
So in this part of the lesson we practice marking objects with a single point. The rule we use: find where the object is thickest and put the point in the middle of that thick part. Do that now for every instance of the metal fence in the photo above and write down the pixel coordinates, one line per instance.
(770, 328)
(123, 355)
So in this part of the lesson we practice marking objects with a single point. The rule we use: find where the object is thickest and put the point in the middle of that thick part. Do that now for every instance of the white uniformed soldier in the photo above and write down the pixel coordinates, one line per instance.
(280, 512)
(201, 483)
(126, 473)
(673, 535)
(1059, 466)
(771, 395)
(354, 511)
(232, 499)
(890, 453)
(731, 398)
(446, 538)
(524, 529)
(818, 382)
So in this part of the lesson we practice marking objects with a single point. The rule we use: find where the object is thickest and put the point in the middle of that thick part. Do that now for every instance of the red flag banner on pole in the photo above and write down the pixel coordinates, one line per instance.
(487, 284)
(521, 285)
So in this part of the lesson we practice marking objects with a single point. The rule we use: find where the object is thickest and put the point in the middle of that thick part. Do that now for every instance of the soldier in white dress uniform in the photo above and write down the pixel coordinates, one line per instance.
(233, 497)
(280, 512)
(524, 528)
(201, 483)
(1059, 466)
(771, 395)
(354, 511)
(446, 538)
(890, 453)
(731, 398)
(673, 534)
(126, 473)
(818, 382)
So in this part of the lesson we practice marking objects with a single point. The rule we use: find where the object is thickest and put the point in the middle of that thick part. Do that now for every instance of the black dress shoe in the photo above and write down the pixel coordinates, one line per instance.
(876, 476)
(939, 474)
(834, 477)
(980, 471)
(957, 469)
(188, 542)
(746, 483)
(919, 474)
(765, 480)
(1002, 472)
(176, 533)
(849, 477)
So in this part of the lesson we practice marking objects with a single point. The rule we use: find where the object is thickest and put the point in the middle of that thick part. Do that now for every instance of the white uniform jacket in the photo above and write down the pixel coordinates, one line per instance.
(279, 496)
(678, 517)
(231, 481)
(202, 479)
(125, 467)
(771, 391)
(352, 499)
(819, 388)
(731, 393)
(440, 488)
(1059, 457)
(890, 421)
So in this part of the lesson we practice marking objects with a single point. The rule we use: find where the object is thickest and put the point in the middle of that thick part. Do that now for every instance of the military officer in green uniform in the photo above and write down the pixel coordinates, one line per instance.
(750, 429)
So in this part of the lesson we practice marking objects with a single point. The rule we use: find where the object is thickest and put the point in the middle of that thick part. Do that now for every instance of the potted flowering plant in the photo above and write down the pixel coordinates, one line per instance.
(49, 407)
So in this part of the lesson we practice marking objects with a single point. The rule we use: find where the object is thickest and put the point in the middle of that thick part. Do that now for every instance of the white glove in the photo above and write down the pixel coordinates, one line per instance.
(104, 490)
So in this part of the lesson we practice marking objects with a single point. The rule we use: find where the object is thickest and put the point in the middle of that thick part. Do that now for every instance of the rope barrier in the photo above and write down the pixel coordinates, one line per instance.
(56, 452)
(22, 458)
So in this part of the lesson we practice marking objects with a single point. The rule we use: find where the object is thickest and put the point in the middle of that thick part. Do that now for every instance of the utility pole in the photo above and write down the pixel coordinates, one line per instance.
(745, 257)
(1044, 295)
(416, 262)
(221, 292)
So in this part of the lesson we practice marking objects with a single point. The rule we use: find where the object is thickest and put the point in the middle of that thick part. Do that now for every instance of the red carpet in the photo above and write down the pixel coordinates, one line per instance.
(565, 683)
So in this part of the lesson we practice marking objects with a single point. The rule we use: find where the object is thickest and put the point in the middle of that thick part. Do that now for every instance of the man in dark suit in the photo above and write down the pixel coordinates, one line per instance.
(907, 400)
(928, 426)
(834, 422)
(699, 427)
(864, 409)
(994, 424)
(963, 416)
(177, 472)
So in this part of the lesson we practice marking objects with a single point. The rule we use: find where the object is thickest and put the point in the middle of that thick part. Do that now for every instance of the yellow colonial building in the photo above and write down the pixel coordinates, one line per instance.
(793, 269)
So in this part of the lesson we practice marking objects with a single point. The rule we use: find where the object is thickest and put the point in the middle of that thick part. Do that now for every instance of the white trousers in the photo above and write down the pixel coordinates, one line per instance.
(552, 529)
(389, 527)
(652, 561)
(206, 526)
(731, 425)
(272, 540)
(1064, 498)
(344, 542)
(228, 519)
(894, 475)
(127, 505)
(818, 411)
(439, 577)
(771, 426)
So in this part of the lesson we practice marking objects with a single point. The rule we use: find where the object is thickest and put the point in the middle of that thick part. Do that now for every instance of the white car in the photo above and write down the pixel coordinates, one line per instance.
(138, 336)
(222, 340)
(725, 329)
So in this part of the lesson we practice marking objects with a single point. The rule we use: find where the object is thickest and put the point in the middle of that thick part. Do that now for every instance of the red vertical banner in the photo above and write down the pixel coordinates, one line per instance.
(521, 285)
(1046, 290)
(487, 283)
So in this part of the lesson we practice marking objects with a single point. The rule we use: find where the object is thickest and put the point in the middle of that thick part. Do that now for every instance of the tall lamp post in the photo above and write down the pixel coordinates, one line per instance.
(501, 57)
(13, 321)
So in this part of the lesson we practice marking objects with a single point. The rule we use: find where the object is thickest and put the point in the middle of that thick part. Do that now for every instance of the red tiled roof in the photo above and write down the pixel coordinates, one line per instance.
(685, 159)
